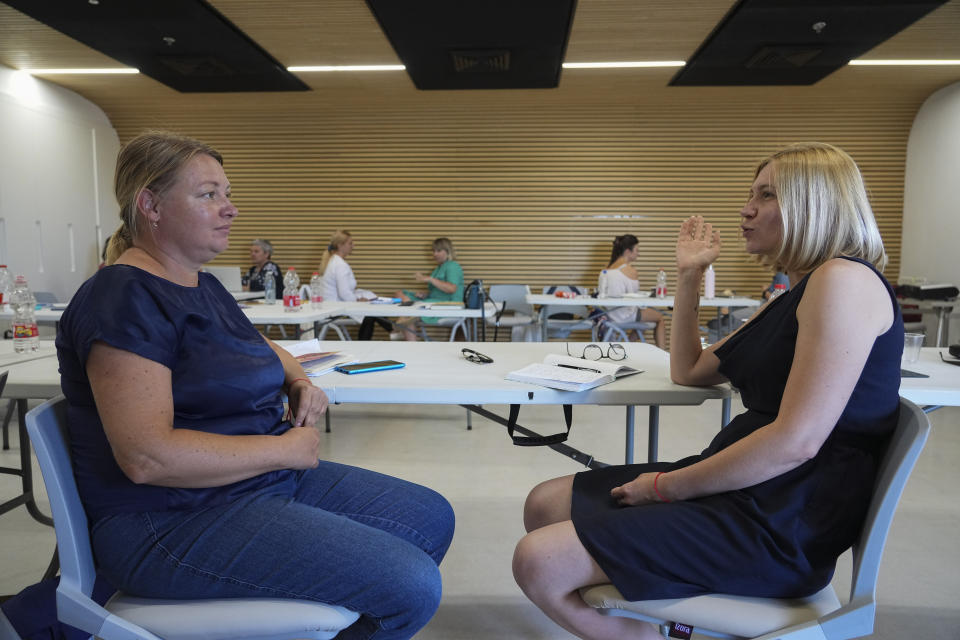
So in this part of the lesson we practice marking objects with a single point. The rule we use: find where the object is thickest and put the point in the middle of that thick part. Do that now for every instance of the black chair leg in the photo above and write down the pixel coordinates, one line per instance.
(11, 405)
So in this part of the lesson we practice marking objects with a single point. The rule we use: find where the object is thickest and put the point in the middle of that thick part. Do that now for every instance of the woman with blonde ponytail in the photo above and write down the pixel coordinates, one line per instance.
(192, 472)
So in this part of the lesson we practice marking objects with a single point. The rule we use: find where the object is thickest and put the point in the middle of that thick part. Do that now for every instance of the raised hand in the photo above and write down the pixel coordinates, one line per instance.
(698, 245)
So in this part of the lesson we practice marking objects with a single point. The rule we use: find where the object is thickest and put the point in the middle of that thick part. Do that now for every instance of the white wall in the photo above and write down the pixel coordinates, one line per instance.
(931, 199)
(57, 155)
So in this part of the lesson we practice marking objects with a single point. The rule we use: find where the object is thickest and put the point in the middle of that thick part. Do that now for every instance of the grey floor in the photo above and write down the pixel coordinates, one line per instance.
(486, 479)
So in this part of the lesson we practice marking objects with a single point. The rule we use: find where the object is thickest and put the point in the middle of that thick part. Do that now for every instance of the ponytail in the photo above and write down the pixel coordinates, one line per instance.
(622, 244)
(120, 241)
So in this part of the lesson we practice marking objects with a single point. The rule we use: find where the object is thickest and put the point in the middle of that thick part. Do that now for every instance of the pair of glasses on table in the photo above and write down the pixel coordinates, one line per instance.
(476, 356)
(613, 351)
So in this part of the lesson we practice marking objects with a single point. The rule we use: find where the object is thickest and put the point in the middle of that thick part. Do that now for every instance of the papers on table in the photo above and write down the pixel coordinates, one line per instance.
(443, 305)
(316, 362)
(571, 374)
(382, 300)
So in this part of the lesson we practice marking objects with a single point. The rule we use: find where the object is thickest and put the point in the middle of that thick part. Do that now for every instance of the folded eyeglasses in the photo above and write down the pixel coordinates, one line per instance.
(476, 356)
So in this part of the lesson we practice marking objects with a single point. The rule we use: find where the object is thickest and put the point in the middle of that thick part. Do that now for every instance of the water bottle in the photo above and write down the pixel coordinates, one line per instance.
(661, 284)
(291, 290)
(316, 290)
(269, 286)
(709, 283)
(6, 285)
(25, 334)
(602, 285)
(778, 290)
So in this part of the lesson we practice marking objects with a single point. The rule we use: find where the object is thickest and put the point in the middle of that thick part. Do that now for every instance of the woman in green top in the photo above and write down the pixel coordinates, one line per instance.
(444, 284)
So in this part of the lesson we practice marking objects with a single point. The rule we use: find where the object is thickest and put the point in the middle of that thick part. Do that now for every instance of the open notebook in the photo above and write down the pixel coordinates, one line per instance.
(571, 374)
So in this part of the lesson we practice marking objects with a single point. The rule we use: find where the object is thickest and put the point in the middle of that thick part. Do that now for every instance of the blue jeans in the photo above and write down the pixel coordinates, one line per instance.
(348, 536)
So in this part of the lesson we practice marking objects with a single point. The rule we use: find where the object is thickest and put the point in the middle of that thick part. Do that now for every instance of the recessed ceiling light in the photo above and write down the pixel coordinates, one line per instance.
(37, 72)
(623, 65)
(350, 67)
(881, 63)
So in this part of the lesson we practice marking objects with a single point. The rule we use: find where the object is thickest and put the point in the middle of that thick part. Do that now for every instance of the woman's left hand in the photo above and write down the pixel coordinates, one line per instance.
(638, 491)
(420, 277)
(307, 403)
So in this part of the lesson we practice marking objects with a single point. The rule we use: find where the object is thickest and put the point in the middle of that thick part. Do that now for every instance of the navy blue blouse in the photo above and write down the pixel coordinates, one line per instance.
(225, 378)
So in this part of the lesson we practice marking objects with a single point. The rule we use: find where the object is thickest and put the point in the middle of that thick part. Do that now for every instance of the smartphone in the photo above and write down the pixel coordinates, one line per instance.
(364, 367)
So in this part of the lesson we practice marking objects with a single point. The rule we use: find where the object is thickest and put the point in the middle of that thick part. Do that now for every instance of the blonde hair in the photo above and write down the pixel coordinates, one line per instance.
(446, 245)
(153, 161)
(337, 240)
(825, 212)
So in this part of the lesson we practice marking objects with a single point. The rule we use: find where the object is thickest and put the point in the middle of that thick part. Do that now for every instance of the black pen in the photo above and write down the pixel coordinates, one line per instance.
(570, 366)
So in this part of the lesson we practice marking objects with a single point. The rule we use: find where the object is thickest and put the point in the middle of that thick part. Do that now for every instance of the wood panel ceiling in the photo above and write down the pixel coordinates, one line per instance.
(306, 32)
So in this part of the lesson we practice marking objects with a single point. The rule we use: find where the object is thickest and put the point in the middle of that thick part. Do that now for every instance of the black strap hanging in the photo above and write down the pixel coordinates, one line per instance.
(538, 441)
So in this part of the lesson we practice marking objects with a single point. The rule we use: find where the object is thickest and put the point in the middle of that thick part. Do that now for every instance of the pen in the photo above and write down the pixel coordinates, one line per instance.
(570, 366)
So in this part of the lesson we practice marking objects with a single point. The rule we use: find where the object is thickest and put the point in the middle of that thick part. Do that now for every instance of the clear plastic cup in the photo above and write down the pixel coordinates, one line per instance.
(911, 346)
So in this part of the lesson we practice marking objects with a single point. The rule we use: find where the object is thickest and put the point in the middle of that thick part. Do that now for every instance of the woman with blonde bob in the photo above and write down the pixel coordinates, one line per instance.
(780, 492)
(196, 481)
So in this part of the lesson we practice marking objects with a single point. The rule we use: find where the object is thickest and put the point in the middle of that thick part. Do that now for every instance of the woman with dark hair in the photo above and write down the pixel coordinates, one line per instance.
(261, 254)
(622, 278)
(782, 491)
(197, 481)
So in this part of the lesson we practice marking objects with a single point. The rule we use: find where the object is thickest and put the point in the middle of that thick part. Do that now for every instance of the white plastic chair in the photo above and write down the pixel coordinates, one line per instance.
(511, 309)
(126, 617)
(621, 330)
(571, 318)
(820, 616)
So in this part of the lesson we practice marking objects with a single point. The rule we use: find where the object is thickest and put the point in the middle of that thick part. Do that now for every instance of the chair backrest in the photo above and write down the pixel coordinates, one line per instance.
(47, 426)
(904, 448)
(513, 295)
(566, 312)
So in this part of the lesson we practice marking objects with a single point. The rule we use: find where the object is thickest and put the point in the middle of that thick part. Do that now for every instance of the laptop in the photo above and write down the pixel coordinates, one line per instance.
(229, 277)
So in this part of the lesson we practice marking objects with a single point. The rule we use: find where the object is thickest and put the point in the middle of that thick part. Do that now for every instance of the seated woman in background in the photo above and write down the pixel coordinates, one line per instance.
(261, 252)
(195, 484)
(339, 283)
(782, 491)
(622, 278)
(444, 284)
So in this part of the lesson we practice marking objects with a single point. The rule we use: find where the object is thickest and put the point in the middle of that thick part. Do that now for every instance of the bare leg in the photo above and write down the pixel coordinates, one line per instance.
(659, 331)
(551, 565)
(547, 503)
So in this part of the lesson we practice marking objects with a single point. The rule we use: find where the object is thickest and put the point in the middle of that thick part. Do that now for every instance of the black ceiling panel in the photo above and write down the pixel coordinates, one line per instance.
(795, 42)
(494, 44)
(185, 44)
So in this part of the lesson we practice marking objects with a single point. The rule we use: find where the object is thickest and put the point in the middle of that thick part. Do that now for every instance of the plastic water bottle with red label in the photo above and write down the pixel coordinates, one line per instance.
(291, 290)
(6, 285)
(26, 337)
(661, 284)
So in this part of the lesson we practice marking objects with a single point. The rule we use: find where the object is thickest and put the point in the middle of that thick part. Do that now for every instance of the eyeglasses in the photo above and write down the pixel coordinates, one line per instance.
(614, 351)
(476, 356)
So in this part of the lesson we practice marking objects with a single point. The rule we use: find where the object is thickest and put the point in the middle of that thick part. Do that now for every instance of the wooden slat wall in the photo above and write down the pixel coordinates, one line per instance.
(529, 192)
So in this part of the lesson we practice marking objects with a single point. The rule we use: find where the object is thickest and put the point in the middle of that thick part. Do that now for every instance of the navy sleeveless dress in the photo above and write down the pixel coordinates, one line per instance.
(779, 538)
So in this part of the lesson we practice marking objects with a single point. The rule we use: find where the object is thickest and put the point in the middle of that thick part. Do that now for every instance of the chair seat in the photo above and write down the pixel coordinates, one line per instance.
(240, 618)
(725, 615)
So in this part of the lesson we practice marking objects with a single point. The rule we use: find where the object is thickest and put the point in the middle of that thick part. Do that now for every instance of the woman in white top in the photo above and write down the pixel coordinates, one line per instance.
(339, 283)
(621, 279)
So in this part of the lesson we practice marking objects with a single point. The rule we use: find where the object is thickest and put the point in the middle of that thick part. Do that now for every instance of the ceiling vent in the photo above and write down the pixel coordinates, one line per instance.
(481, 61)
(493, 44)
(185, 44)
(795, 42)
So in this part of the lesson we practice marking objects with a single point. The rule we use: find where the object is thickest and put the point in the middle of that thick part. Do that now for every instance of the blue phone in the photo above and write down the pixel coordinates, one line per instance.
(365, 367)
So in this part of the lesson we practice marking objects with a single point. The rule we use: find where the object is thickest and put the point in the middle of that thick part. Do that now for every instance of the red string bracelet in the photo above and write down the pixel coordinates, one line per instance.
(296, 380)
(657, 491)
